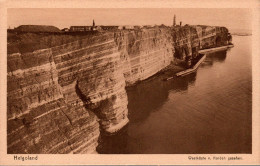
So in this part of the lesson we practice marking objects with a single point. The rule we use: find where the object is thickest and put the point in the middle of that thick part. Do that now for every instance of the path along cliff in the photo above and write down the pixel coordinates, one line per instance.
(64, 89)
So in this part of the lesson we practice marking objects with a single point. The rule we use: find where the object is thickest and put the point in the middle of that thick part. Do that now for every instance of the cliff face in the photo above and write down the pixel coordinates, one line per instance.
(144, 53)
(60, 98)
(188, 40)
(40, 118)
(92, 67)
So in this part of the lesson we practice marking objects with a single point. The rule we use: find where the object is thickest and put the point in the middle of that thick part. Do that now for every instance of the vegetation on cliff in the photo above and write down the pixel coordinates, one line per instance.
(37, 28)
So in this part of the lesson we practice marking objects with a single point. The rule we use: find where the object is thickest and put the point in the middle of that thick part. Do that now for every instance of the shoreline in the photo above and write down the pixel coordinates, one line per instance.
(178, 66)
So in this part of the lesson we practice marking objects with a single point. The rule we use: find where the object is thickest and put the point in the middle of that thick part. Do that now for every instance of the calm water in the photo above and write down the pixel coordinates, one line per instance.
(205, 112)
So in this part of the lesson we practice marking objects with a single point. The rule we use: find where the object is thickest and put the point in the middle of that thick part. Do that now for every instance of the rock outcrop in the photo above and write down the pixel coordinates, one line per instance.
(60, 98)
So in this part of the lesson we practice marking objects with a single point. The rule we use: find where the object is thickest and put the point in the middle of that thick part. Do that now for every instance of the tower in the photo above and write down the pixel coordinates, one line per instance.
(93, 23)
(174, 20)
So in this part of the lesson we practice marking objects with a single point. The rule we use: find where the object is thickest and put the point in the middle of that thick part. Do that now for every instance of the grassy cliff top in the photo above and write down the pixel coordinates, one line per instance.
(37, 28)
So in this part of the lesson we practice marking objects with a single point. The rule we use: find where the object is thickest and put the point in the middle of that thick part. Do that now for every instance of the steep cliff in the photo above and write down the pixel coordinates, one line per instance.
(144, 53)
(62, 93)
(41, 118)
(188, 40)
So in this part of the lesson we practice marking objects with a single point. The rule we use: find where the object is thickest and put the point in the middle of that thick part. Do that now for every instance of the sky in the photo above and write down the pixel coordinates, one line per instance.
(233, 18)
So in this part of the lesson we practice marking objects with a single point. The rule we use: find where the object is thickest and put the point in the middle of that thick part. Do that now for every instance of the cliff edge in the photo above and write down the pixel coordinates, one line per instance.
(64, 89)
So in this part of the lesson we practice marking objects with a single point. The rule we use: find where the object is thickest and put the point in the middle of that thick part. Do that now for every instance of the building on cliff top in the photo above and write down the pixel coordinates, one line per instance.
(126, 27)
(84, 28)
(80, 28)
(107, 28)
(65, 30)
(174, 20)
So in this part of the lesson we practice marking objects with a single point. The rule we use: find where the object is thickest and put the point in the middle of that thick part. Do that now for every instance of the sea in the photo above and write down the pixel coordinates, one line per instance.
(207, 112)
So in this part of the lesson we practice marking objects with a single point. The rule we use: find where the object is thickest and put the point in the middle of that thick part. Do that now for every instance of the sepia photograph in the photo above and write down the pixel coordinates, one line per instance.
(129, 81)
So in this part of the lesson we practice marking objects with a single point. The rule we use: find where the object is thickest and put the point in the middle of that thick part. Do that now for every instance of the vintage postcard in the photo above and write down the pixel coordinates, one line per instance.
(129, 83)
